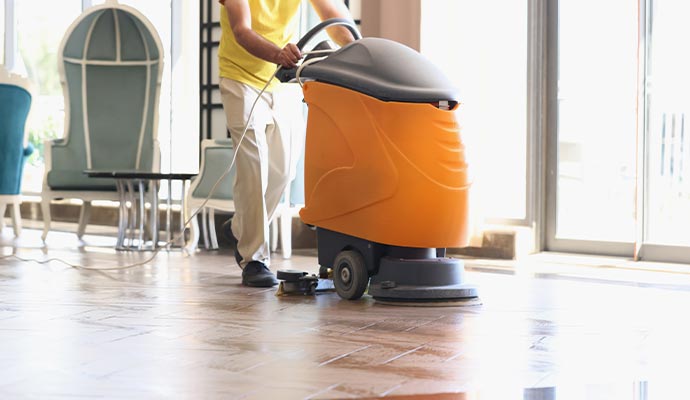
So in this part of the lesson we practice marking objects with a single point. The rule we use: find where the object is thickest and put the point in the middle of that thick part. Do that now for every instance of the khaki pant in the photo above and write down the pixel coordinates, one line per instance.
(263, 163)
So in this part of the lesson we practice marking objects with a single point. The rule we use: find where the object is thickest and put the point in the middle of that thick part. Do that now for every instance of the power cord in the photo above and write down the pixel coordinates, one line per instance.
(304, 64)
(211, 192)
(181, 234)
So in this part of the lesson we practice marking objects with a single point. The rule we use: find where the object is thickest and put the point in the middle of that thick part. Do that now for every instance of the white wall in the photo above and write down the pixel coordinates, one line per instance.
(397, 20)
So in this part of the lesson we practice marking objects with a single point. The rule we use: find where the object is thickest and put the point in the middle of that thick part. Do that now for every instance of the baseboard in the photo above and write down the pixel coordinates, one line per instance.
(495, 244)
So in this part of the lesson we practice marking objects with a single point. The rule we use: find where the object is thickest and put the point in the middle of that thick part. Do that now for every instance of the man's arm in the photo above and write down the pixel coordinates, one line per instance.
(240, 18)
(327, 9)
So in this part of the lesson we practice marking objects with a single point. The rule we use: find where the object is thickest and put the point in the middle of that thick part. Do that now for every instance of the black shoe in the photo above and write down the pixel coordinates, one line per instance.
(257, 274)
(227, 234)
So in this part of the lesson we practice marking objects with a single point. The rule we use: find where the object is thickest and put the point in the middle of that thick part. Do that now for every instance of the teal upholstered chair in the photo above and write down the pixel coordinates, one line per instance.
(110, 63)
(15, 103)
(216, 156)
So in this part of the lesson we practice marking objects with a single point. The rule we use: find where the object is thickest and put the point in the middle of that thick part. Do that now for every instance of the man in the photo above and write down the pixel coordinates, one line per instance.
(256, 36)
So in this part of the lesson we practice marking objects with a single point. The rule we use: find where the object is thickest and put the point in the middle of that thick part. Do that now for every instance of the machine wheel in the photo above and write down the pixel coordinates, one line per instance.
(325, 272)
(350, 275)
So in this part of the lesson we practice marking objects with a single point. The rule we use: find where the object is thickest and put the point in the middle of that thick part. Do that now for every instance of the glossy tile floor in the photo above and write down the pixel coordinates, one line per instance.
(550, 327)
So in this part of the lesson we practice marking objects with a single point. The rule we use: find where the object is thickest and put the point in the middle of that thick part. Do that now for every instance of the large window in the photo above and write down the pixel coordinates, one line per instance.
(484, 52)
(39, 30)
(668, 121)
(597, 120)
(2, 29)
(34, 35)
(619, 156)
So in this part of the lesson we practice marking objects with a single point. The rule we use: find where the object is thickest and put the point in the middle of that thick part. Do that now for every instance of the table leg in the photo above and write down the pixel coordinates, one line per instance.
(212, 228)
(204, 227)
(142, 214)
(122, 214)
(133, 213)
(182, 211)
(154, 212)
(168, 214)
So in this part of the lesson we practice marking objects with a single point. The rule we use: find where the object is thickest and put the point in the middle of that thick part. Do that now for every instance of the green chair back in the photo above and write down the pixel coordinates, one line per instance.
(110, 64)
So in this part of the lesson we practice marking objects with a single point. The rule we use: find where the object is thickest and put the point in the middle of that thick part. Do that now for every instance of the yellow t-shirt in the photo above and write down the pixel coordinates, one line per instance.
(272, 19)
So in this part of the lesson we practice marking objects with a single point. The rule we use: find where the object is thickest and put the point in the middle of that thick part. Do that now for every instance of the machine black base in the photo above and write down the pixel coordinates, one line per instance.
(392, 273)
(420, 280)
(473, 301)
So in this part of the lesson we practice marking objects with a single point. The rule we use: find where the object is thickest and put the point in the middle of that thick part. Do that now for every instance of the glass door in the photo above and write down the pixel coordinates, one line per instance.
(593, 112)
(667, 112)
(489, 66)
(618, 154)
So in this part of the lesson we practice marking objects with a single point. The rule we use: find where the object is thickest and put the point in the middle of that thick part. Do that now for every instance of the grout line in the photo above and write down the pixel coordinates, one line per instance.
(359, 329)
(344, 355)
(254, 366)
(129, 336)
(536, 343)
(453, 357)
(424, 324)
(322, 391)
(391, 390)
(402, 355)
(260, 291)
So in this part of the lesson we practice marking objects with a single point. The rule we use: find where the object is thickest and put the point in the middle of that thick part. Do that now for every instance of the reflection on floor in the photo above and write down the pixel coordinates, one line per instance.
(184, 327)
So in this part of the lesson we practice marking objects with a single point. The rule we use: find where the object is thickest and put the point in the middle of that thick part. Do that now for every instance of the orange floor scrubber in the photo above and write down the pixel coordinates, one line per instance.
(386, 183)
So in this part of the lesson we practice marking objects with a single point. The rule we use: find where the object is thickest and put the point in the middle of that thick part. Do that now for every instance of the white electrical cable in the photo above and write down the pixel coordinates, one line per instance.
(304, 64)
(322, 51)
(213, 188)
(176, 238)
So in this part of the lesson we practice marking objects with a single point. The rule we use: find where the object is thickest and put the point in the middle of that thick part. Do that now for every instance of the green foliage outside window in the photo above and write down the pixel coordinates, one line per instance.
(39, 33)
(40, 61)
(48, 129)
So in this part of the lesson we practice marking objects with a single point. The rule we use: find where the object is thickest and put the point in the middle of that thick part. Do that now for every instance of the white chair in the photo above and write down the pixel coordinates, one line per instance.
(111, 65)
(216, 156)
(290, 208)
(15, 105)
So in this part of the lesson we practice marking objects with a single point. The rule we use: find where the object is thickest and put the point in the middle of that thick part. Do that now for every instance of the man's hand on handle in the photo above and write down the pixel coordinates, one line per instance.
(288, 56)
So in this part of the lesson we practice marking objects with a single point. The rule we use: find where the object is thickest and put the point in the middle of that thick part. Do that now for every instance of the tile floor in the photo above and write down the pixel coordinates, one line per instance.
(550, 327)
